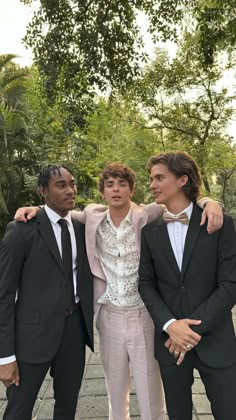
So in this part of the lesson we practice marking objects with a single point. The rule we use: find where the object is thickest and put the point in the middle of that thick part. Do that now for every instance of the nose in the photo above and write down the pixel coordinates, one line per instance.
(116, 186)
(152, 185)
(71, 189)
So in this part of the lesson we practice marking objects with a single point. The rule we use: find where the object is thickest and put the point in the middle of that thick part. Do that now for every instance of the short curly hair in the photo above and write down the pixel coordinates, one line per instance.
(115, 170)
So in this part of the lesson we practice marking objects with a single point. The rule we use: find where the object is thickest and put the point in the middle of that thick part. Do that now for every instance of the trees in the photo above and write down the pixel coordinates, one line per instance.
(186, 104)
(116, 131)
(84, 45)
(13, 131)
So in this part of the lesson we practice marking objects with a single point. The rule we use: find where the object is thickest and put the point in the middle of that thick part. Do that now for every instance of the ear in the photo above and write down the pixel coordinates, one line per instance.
(183, 180)
(132, 192)
(41, 191)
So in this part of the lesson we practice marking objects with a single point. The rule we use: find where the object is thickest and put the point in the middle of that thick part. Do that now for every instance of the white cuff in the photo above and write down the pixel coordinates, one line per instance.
(6, 360)
(168, 323)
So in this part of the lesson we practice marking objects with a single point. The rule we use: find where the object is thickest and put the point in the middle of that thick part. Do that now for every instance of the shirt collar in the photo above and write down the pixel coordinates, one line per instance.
(55, 217)
(188, 210)
(128, 217)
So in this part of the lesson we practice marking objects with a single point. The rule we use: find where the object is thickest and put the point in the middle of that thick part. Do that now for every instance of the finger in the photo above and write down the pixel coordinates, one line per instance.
(189, 347)
(210, 224)
(217, 221)
(7, 383)
(176, 354)
(203, 218)
(189, 342)
(214, 223)
(171, 349)
(193, 321)
(167, 344)
(30, 216)
(181, 358)
(17, 378)
(19, 215)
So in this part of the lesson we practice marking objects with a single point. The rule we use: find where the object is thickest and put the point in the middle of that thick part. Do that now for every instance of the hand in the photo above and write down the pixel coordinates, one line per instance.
(23, 214)
(182, 335)
(177, 353)
(9, 374)
(212, 212)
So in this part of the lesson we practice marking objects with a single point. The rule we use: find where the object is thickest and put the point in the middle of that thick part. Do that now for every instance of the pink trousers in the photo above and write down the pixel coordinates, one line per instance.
(126, 340)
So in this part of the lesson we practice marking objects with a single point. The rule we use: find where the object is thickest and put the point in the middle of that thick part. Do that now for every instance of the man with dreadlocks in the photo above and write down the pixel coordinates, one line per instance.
(46, 301)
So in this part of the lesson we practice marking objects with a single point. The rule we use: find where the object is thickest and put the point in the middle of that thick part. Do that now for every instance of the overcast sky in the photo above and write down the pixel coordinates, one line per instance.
(14, 17)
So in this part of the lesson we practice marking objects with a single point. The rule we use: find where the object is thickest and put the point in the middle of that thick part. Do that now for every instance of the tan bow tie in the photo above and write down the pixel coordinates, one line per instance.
(168, 218)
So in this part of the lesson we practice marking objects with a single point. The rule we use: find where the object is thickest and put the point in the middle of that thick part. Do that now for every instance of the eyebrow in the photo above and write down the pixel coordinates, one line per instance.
(107, 181)
(157, 176)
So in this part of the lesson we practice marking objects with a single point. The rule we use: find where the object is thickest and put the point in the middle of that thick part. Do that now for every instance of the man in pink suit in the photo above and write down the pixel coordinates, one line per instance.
(126, 331)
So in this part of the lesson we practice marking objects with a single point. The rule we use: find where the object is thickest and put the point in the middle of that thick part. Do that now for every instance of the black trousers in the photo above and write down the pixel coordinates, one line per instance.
(220, 385)
(67, 368)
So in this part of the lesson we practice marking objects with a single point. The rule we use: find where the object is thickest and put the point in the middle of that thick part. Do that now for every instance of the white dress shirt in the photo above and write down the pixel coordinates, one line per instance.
(117, 250)
(54, 217)
(177, 232)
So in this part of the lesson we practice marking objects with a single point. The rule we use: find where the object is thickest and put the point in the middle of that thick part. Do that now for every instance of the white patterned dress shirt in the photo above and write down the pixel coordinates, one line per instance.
(117, 250)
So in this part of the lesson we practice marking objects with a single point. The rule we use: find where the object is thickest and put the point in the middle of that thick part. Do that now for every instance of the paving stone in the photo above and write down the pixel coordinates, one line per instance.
(198, 387)
(93, 403)
(201, 404)
(94, 371)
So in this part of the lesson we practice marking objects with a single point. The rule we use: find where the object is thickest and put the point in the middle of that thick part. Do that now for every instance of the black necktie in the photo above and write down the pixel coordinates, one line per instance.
(67, 264)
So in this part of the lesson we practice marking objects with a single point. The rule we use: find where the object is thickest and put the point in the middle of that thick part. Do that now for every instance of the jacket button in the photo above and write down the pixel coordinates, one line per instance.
(182, 289)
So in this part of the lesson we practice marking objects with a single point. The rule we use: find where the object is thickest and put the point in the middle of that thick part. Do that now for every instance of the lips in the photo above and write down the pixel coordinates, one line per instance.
(70, 199)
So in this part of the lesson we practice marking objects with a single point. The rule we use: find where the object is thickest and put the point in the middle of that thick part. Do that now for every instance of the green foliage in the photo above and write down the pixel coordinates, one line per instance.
(185, 103)
(116, 131)
(86, 48)
(81, 46)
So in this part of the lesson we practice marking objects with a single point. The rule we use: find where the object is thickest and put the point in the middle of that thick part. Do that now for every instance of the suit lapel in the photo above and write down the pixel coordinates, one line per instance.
(79, 239)
(45, 228)
(80, 247)
(191, 238)
(165, 245)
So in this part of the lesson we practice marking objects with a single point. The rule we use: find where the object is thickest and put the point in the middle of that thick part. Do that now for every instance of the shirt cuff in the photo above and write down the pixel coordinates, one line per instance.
(167, 324)
(6, 360)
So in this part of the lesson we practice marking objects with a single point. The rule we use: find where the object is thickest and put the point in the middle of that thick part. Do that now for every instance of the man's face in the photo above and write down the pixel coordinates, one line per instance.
(60, 193)
(117, 192)
(166, 187)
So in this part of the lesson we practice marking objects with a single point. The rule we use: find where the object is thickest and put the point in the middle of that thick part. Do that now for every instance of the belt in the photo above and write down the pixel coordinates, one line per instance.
(70, 311)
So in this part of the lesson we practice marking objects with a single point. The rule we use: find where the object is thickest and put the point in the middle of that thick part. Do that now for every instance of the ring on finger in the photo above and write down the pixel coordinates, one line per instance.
(189, 346)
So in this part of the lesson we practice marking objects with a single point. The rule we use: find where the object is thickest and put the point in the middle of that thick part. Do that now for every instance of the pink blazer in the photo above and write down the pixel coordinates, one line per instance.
(92, 216)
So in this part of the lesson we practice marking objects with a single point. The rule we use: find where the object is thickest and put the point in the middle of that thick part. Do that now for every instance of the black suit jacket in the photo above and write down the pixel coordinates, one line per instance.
(30, 264)
(204, 289)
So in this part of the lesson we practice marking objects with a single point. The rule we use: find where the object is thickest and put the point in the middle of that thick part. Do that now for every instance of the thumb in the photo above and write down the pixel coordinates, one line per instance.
(30, 216)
